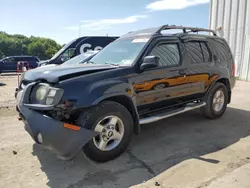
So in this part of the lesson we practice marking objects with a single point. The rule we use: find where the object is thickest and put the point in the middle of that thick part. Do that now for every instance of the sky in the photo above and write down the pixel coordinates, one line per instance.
(61, 20)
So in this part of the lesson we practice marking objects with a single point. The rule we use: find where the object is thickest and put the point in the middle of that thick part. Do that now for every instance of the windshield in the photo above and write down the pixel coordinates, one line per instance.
(5, 58)
(62, 49)
(120, 52)
(80, 58)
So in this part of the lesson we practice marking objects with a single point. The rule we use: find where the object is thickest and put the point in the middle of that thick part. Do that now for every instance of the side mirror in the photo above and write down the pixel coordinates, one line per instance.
(149, 62)
(63, 58)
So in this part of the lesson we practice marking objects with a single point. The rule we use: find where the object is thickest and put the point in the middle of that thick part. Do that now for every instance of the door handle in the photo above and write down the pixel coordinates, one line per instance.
(182, 73)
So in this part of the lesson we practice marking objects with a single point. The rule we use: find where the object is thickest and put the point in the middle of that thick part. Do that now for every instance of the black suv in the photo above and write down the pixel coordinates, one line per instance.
(10, 64)
(142, 77)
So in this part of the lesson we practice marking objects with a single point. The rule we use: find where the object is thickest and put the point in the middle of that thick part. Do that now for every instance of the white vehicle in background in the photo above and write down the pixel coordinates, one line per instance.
(79, 59)
(78, 46)
(82, 58)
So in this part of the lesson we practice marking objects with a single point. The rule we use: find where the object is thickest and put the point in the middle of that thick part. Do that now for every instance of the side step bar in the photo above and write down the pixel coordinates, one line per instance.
(157, 117)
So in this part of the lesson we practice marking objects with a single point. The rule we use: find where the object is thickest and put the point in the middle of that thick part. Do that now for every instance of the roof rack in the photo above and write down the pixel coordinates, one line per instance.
(185, 29)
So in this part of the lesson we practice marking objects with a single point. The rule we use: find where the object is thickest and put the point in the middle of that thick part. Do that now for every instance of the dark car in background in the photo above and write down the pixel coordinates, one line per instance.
(9, 64)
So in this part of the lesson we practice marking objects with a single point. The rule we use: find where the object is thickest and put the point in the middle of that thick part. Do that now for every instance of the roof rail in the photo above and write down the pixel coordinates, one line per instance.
(185, 29)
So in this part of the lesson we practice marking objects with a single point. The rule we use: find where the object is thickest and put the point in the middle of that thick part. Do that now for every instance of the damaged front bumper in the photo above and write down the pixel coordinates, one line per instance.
(64, 139)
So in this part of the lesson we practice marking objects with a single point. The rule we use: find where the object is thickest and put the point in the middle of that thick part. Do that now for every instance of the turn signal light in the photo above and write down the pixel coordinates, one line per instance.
(72, 127)
(233, 69)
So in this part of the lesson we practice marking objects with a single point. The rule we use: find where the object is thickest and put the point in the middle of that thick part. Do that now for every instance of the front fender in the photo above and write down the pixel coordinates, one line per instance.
(113, 89)
(115, 94)
(86, 94)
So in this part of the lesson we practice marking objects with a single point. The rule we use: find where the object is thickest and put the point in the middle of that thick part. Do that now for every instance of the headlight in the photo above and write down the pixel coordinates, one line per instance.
(40, 93)
(51, 95)
(45, 94)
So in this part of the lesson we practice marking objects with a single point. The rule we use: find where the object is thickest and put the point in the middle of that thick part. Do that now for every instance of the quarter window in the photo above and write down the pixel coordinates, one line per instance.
(222, 50)
(168, 54)
(198, 52)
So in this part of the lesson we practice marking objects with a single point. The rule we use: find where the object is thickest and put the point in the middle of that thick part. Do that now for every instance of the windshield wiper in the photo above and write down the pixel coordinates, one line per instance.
(114, 64)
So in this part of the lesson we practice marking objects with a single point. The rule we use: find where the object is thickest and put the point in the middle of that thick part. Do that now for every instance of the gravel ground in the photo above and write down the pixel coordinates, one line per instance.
(183, 151)
(8, 84)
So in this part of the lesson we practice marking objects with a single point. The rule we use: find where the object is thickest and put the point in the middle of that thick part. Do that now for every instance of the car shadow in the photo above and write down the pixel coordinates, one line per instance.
(160, 146)
(2, 84)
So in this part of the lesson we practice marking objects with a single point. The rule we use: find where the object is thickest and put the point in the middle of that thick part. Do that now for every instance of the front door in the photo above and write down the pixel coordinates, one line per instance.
(10, 65)
(155, 87)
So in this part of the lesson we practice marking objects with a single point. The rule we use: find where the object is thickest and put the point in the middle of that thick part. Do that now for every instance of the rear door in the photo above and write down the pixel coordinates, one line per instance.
(154, 87)
(200, 72)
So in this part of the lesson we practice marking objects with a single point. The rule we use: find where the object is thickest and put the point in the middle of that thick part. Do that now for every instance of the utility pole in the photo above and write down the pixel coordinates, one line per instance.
(80, 29)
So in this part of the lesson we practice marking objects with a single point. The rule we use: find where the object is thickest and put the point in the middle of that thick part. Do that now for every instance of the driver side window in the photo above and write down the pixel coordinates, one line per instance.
(168, 54)
(10, 60)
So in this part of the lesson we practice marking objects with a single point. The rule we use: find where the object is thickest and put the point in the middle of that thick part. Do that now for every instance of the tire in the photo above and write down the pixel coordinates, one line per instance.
(93, 117)
(210, 111)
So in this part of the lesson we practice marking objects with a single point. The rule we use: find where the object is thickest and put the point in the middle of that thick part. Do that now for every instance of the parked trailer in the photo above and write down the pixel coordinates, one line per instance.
(79, 46)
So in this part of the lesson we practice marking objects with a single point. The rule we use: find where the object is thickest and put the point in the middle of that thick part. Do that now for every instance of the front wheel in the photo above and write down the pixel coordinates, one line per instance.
(217, 101)
(115, 126)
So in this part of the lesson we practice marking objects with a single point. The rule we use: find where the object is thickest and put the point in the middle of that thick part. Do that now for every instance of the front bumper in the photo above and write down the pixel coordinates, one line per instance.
(65, 142)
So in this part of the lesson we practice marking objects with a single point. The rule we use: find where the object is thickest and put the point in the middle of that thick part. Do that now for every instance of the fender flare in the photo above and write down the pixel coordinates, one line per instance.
(131, 106)
(211, 86)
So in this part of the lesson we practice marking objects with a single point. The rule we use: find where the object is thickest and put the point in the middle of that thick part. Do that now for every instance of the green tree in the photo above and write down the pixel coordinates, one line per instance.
(43, 48)
(37, 48)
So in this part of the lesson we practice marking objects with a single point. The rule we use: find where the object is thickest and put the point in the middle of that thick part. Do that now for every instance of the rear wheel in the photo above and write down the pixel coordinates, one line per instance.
(115, 126)
(217, 101)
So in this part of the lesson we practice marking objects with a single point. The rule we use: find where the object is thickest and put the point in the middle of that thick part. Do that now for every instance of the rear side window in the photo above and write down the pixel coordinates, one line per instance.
(222, 50)
(207, 56)
(198, 52)
(168, 54)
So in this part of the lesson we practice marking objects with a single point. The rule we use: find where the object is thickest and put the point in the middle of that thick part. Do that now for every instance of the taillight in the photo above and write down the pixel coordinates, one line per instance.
(233, 69)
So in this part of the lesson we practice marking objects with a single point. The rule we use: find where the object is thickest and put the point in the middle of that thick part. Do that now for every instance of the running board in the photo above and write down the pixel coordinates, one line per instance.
(157, 117)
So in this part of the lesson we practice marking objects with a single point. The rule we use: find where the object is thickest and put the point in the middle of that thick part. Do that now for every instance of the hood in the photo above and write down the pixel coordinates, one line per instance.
(53, 74)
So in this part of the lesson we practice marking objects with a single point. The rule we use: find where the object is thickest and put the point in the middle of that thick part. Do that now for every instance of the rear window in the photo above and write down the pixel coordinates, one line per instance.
(222, 50)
